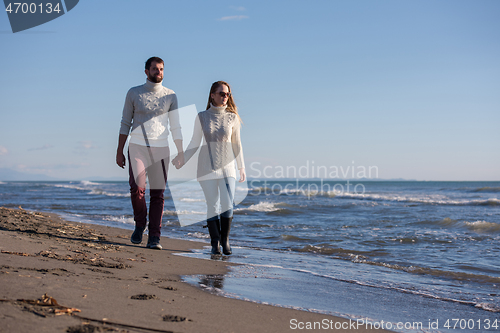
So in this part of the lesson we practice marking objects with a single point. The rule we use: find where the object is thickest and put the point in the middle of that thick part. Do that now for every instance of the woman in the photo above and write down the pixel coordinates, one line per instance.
(219, 127)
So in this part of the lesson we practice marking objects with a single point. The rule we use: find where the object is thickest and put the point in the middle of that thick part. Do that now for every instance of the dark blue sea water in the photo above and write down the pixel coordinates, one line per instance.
(394, 251)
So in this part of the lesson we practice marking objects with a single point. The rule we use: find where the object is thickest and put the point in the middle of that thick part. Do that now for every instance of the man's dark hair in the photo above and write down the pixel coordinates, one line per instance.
(158, 60)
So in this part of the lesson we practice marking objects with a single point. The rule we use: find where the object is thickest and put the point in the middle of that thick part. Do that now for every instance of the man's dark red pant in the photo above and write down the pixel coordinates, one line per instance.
(150, 162)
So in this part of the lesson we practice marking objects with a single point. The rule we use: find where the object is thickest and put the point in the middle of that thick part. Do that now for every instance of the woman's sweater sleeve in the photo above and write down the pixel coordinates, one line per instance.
(195, 140)
(236, 143)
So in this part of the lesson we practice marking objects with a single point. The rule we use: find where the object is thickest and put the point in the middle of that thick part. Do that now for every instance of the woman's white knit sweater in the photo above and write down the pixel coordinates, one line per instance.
(221, 129)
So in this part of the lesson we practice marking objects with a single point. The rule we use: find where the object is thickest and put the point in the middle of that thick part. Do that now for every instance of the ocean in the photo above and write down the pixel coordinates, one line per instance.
(418, 256)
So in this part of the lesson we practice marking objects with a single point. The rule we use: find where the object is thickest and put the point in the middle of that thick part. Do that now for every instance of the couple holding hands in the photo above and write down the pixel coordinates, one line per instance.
(151, 108)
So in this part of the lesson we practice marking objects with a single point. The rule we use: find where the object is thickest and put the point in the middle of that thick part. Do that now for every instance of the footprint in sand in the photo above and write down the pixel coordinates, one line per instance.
(171, 318)
(143, 297)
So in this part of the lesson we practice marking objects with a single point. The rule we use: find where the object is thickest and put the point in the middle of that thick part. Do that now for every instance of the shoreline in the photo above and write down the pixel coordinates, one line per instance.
(121, 287)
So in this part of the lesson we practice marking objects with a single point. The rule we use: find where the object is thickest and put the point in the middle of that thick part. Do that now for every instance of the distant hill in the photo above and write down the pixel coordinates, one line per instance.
(14, 175)
(9, 175)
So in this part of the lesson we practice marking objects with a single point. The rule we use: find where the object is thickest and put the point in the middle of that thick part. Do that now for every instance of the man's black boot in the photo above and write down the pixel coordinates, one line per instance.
(136, 237)
(154, 243)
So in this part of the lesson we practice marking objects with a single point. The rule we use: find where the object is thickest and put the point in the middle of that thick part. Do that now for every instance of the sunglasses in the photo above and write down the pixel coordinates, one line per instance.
(224, 94)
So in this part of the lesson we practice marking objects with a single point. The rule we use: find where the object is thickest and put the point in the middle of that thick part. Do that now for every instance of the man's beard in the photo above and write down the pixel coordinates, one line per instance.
(155, 79)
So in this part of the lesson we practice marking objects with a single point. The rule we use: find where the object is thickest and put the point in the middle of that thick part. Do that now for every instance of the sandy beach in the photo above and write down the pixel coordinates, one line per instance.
(60, 276)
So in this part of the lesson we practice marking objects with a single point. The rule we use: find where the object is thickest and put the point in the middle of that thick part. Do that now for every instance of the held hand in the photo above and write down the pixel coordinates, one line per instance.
(243, 175)
(180, 156)
(120, 160)
(178, 161)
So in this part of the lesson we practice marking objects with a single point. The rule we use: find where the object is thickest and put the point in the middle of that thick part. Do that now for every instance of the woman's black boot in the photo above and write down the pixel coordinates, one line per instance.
(213, 229)
(225, 227)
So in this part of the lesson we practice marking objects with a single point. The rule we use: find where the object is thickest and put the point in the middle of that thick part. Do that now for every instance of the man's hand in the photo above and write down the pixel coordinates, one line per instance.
(178, 161)
(120, 160)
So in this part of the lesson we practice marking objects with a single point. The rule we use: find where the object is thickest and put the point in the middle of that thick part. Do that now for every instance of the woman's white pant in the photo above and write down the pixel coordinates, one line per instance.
(219, 192)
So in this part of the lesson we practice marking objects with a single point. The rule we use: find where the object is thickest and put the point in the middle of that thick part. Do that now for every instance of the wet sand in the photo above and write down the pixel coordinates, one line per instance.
(95, 280)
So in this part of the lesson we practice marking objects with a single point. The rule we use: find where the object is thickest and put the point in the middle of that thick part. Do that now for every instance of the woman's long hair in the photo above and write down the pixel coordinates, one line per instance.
(231, 106)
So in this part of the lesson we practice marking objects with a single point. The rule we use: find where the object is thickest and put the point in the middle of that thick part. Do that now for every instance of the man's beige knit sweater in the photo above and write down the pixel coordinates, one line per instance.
(154, 107)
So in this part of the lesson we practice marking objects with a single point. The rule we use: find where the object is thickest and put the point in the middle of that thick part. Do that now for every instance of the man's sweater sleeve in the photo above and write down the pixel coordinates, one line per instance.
(128, 114)
(173, 119)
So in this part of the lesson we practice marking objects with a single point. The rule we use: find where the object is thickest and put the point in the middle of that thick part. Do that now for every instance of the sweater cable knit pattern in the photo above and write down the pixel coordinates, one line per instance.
(219, 130)
(152, 107)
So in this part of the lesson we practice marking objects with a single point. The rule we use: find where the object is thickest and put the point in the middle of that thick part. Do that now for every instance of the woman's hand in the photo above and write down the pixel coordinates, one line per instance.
(243, 175)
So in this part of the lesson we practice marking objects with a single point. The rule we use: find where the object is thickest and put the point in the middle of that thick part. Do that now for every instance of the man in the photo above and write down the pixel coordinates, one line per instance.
(148, 110)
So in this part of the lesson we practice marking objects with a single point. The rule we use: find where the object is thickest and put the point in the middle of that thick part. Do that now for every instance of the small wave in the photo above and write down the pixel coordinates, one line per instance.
(265, 265)
(192, 200)
(483, 226)
(120, 219)
(92, 191)
(477, 226)
(488, 307)
(170, 212)
(338, 252)
(74, 187)
(362, 257)
(458, 276)
(2, 183)
(263, 206)
(292, 238)
(487, 189)
(199, 235)
(181, 212)
(170, 222)
(272, 208)
(83, 185)
(109, 194)
(88, 182)
(488, 202)
(430, 200)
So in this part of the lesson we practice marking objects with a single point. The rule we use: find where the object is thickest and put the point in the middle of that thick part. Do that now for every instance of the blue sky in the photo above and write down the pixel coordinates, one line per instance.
(411, 87)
